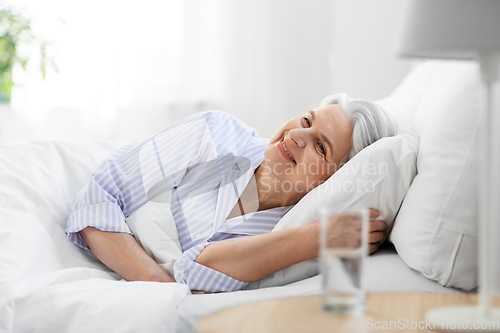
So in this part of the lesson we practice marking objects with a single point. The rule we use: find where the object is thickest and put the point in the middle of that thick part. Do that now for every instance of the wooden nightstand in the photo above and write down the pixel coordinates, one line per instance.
(404, 311)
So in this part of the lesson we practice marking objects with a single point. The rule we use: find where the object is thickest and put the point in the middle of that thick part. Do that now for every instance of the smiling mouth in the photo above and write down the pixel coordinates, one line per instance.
(286, 150)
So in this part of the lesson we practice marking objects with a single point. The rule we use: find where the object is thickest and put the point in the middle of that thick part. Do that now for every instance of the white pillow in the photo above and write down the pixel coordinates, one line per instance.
(154, 229)
(407, 97)
(377, 177)
(435, 231)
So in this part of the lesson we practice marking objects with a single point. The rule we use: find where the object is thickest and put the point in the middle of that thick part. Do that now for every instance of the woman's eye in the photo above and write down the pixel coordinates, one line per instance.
(322, 148)
(307, 121)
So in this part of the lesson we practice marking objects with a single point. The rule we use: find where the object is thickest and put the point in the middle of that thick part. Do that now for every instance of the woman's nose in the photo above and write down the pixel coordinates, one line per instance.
(298, 136)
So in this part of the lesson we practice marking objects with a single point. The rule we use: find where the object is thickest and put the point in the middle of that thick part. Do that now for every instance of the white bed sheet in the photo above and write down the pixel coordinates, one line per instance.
(49, 285)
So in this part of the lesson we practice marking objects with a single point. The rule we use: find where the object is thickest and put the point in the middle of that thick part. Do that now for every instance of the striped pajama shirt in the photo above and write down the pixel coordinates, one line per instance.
(204, 163)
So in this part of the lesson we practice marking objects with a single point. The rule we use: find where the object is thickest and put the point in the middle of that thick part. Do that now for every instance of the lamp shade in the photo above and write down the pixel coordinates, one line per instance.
(452, 29)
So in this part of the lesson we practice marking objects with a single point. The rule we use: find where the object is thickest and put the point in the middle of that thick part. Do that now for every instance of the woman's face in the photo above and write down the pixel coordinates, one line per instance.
(307, 150)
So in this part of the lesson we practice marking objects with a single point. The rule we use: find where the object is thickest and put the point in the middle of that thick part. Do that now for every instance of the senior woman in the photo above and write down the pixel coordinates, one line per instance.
(250, 185)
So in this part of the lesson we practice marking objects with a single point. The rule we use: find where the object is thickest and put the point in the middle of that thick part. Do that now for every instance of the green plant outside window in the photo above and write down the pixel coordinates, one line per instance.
(14, 31)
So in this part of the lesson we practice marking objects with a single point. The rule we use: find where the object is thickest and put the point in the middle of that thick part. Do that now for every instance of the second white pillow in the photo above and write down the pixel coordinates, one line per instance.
(154, 229)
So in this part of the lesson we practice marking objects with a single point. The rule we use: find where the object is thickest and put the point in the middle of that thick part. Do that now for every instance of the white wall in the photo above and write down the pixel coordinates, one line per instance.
(266, 60)
(263, 61)
(364, 62)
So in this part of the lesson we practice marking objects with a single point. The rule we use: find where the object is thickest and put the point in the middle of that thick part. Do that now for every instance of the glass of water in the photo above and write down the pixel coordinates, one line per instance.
(343, 255)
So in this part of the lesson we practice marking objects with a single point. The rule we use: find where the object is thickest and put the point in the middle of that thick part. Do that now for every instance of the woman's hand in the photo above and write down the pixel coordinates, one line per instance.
(377, 230)
(345, 232)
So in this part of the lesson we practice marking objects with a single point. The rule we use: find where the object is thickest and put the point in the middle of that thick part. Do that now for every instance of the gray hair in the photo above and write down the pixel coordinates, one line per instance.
(370, 122)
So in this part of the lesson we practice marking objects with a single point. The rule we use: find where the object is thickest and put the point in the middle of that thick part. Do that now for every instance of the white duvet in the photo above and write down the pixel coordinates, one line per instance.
(47, 284)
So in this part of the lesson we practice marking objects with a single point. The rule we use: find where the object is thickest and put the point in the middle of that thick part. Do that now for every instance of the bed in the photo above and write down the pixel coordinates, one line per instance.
(49, 285)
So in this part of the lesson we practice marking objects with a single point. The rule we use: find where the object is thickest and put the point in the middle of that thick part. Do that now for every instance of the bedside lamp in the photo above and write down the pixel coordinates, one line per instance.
(468, 29)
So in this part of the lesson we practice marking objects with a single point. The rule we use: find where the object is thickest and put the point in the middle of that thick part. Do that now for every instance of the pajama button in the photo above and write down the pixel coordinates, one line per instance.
(198, 236)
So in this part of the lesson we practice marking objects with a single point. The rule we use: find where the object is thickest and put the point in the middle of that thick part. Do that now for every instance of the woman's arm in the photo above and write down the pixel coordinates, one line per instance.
(121, 252)
(253, 258)
(246, 259)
